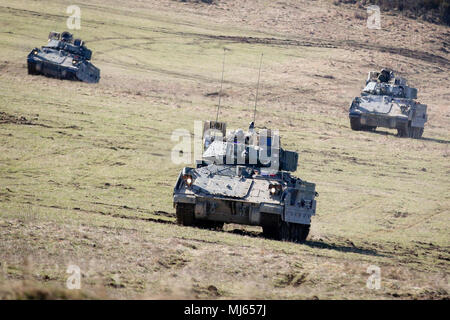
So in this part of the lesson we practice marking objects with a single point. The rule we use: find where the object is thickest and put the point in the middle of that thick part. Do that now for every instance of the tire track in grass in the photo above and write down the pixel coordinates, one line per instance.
(320, 43)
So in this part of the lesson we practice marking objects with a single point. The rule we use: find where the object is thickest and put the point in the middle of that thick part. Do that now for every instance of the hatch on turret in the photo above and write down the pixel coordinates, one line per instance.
(53, 35)
(213, 130)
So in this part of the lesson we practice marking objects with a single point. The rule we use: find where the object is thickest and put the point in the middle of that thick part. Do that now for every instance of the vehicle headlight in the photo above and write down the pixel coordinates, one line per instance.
(35, 52)
(188, 179)
(275, 188)
(74, 61)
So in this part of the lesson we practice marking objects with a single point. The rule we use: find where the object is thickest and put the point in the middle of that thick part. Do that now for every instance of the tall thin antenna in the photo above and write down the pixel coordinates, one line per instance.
(257, 88)
(221, 85)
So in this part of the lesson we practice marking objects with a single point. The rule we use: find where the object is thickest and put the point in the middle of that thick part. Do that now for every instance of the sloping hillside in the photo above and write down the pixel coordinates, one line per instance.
(86, 176)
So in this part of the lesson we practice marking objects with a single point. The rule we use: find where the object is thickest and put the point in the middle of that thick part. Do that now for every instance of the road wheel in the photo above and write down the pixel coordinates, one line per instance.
(207, 224)
(31, 68)
(271, 232)
(218, 225)
(285, 234)
(299, 232)
(420, 133)
(293, 232)
(304, 231)
(185, 214)
(404, 130)
(355, 124)
(416, 132)
(368, 128)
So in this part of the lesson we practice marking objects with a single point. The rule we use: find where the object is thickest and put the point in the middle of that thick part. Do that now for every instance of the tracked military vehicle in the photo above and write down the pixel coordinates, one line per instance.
(244, 178)
(63, 58)
(387, 101)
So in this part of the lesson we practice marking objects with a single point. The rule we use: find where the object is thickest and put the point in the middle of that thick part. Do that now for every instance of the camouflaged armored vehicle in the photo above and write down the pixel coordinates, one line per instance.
(63, 58)
(244, 178)
(387, 101)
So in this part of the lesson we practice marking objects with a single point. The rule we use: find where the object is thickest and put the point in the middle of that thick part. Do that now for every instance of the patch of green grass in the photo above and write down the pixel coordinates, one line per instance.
(88, 180)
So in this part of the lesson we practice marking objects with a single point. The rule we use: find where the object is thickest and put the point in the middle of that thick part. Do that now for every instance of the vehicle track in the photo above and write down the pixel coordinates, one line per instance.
(318, 43)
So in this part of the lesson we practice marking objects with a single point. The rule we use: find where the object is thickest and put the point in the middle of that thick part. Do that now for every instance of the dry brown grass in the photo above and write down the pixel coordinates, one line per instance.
(86, 177)
(33, 290)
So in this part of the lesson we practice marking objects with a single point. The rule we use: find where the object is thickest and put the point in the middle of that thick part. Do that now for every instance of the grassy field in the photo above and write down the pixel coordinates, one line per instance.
(86, 176)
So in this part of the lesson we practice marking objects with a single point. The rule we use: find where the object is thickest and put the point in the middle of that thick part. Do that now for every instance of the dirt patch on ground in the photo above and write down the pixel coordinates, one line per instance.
(416, 54)
(6, 118)
(31, 290)
(9, 118)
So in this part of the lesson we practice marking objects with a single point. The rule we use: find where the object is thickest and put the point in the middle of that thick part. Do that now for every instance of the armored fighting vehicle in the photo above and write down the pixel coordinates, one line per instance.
(387, 101)
(63, 58)
(244, 178)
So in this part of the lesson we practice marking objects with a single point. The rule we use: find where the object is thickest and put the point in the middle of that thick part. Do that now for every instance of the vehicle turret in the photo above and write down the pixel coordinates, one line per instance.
(388, 101)
(63, 57)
